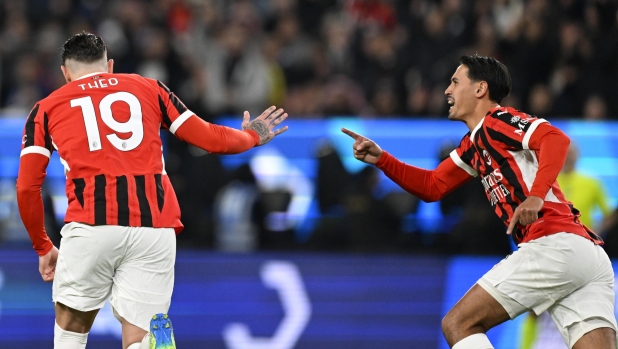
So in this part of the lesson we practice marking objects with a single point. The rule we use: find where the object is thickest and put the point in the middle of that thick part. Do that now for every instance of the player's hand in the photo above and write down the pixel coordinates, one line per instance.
(47, 265)
(364, 148)
(265, 124)
(526, 213)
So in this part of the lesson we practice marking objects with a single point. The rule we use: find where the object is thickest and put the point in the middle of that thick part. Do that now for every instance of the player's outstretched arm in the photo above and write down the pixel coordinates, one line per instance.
(428, 185)
(364, 148)
(225, 140)
(264, 125)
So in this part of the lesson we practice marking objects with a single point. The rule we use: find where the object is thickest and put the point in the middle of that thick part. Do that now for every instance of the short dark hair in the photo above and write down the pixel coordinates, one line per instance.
(83, 47)
(490, 70)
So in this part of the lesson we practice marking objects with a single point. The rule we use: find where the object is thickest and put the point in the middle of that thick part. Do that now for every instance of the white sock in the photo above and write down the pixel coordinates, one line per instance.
(144, 344)
(475, 341)
(69, 340)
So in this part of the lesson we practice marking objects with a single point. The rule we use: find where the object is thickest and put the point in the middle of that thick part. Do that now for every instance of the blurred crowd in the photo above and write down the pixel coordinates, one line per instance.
(318, 58)
(321, 58)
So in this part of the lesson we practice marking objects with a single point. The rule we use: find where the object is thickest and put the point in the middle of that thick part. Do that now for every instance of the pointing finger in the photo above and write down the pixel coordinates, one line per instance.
(350, 133)
(513, 222)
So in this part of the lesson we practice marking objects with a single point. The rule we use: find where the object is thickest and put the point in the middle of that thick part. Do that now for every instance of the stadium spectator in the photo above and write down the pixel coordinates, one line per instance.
(567, 45)
(595, 108)
(318, 58)
(518, 158)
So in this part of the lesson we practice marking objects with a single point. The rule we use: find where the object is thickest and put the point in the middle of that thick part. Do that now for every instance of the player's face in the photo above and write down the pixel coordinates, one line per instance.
(460, 95)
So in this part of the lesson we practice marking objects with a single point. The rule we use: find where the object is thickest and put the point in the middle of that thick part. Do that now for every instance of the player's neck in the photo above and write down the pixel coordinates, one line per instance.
(85, 73)
(479, 113)
(73, 70)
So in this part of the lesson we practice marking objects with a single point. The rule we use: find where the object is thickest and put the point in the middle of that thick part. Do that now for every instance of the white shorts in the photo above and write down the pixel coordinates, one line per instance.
(133, 265)
(565, 274)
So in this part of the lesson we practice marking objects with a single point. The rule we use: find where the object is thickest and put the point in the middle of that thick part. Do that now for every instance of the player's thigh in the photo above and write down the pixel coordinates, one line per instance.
(477, 311)
(544, 270)
(143, 283)
(86, 262)
(591, 307)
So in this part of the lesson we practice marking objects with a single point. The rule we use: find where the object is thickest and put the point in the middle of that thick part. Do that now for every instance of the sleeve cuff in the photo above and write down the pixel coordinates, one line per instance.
(383, 159)
(255, 136)
(538, 193)
(42, 251)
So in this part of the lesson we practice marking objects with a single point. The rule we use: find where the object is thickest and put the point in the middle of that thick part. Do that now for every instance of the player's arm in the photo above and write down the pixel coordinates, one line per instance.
(215, 138)
(33, 160)
(428, 185)
(30, 202)
(225, 140)
(552, 146)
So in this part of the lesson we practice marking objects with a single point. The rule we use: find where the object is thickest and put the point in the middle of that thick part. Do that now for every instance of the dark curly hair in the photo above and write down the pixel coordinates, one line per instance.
(83, 47)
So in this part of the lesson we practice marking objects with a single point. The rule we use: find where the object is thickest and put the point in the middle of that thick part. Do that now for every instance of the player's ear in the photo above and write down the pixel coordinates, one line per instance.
(65, 73)
(110, 66)
(482, 89)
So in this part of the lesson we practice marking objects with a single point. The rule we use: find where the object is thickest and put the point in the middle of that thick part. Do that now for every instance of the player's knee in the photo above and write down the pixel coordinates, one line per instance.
(456, 326)
(450, 325)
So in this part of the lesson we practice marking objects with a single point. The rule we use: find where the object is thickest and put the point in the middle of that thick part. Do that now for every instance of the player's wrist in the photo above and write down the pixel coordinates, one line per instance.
(255, 136)
(382, 158)
(45, 249)
(536, 194)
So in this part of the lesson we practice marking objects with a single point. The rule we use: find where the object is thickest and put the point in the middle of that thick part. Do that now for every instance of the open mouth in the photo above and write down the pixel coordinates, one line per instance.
(451, 103)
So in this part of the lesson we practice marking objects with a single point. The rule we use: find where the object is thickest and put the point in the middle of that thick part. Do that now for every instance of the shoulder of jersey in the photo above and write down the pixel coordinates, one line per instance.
(508, 114)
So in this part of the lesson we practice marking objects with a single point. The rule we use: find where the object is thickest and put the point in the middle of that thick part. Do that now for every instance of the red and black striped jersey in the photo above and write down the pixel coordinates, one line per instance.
(105, 128)
(498, 150)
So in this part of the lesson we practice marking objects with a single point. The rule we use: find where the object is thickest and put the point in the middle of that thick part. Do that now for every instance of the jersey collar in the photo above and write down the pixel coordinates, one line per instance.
(476, 128)
(89, 75)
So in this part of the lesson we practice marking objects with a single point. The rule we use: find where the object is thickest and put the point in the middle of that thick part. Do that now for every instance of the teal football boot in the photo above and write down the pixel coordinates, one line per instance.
(161, 333)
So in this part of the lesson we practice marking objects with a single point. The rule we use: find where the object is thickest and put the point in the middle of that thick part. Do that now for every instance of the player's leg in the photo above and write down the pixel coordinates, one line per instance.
(133, 336)
(600, 338)
(72, 327)
(143, 285)
(585, 317)
(509, 289)
(82, 282)
(465, 325)
(74, 320)
(160, 336)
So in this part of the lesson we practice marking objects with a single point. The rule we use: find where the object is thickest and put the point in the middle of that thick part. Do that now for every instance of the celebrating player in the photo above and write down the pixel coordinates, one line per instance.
(122, 216)
(559, 266)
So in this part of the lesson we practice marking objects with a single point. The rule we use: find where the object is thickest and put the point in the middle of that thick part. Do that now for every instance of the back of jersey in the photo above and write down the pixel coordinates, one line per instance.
(105, 128)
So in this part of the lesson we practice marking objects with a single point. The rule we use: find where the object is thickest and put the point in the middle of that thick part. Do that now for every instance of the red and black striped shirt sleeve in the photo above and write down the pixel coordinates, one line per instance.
(173, 112)
(36, 140)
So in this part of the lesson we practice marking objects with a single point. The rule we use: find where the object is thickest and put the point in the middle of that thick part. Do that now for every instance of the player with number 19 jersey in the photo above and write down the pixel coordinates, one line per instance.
(105, 128)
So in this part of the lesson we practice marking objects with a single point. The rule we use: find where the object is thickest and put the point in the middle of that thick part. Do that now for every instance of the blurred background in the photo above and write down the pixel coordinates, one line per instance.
(296, 244)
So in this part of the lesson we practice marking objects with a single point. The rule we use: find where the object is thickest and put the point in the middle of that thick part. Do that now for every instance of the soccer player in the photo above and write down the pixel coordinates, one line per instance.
(559, 266)
(122, 216)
